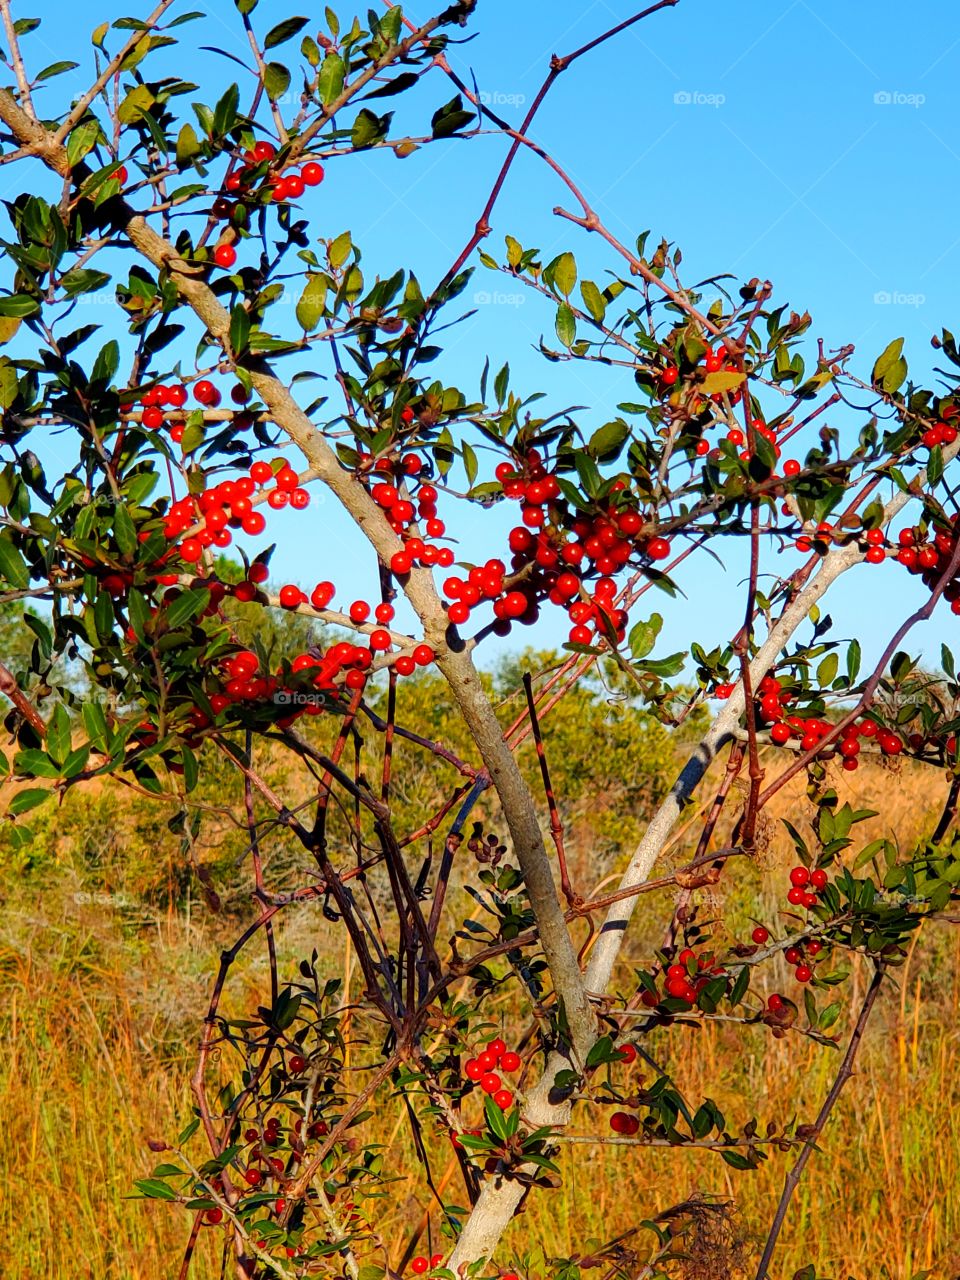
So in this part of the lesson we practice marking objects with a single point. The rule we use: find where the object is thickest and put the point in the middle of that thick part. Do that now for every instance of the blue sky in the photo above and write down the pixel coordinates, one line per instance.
(805, 142)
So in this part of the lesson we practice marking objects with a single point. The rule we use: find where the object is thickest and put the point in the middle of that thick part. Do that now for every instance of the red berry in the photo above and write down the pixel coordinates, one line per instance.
(669, 376)
(312, 174)
(225, 255)
(658, 548)
(214, 1215)
(359, 611)
(624, 1123)
(775, 1003)
(490, 1082)
(291, 597)
(298, 1064)
(510, 1062)
(760, 935)
(792, 955)
(419, 1265)
(819, 878)
(472, 1069)
(627, 1053)
(423, 655)
(503, 1098)
(803, 973)
(799, 876)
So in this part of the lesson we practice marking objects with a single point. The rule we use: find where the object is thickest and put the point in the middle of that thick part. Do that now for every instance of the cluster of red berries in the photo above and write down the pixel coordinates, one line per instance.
(419, 1266)
(279, 188)
(481, 1071)
(773, 700)
(550, 564)
(229, 505)
(685, 978)
(799, 894)
(806, 886)
(929, 561)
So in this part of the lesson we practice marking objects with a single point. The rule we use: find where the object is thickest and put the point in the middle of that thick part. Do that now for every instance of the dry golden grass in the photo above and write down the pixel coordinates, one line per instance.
(99, 1021)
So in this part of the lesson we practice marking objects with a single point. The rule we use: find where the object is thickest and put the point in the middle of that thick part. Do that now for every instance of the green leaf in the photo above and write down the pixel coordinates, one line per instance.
(24, 801)
(890, 371)
(369, 128)
(20, 305)
(153, 1188)
(56, 69)
(331, 78)
(339, 250)
(188, 144)
(566, 325)
(643, 637)
(827, 670)
(284, 31)
(496, 1120)
(593, 300)
(608, 440)
(8, 329)
(82, 140)
(724, 380)
(564, 273)
(239, 330)
(450, 117)
(312, 305)
(13, 567)
(124, 529)
(35, 764)
(106, 364)
(58, 734)
(276, 80)
(187, 606)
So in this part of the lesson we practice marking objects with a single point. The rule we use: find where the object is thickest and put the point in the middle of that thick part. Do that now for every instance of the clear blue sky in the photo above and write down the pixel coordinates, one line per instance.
(807, 142)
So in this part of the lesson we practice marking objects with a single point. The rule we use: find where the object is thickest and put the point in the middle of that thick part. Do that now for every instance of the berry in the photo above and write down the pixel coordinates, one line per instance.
(263, 151)
(799, 876)
(472, 1069)
(658, 548)
(291, 597)
(298, 1064)
(419, 1265)
(819, 878)
(213, 1216)
(760, 935)
(225, 255)
(497, 1047)
(627, 1053)
(510, 1062)
(775, 1003)
(803, 973)
(624, 1123)
(504, 1099)
(792, 955)
(490, 1082)
(312, 174)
